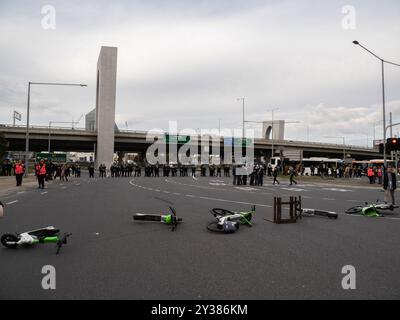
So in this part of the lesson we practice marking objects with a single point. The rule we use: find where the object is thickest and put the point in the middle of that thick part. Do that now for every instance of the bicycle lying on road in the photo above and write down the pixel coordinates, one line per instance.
(315, 212)
(229, 221)
(169, 219)
(371, 209)
(30, 238)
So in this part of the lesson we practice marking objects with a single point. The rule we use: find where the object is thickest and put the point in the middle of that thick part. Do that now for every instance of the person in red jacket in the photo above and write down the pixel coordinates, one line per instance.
(41, 173)
(371, 175)
(19, 172)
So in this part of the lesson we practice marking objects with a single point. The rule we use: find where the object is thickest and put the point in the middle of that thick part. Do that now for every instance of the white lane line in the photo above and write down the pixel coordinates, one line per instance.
(328, 199)
(156, 190)
(12, 202)
(194, 178)
(177, 194)
(241, 202)
(190, 196)
(306, 197)
(44, 192)
(167, 192)
(63, 188)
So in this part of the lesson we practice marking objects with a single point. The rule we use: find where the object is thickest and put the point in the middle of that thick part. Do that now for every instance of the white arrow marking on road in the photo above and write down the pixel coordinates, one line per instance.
(294, 189)
(12, 202)
(246, 188)
(337, 189)
(241, 202)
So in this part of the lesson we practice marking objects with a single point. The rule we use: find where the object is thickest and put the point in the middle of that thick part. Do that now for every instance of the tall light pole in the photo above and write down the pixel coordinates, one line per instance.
(344, 144)
(28, 109)
(242, 99)
(383, 61)
(272, 130)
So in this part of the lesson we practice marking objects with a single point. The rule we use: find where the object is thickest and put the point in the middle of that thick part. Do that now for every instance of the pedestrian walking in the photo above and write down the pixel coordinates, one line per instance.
(389, 184)
(275, 175)
(292, 173)
(19, 172)
(371, 175)
(41, 173)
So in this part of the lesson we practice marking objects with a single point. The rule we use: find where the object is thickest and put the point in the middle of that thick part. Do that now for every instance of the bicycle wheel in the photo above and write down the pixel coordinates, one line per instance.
(9, 240)
(354, 210)
(146, 217)
(222, 212)
(214, 227)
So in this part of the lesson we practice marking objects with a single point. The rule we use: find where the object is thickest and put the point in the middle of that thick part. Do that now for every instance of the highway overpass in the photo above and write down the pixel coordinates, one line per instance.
(63, 139)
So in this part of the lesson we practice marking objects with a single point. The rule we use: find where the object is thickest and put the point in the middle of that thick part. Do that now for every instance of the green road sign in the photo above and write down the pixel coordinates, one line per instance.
(244, 142)
(176, 139)
(54, 157)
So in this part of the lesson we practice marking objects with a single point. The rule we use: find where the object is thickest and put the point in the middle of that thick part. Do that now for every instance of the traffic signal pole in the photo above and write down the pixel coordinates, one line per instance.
(385, 142)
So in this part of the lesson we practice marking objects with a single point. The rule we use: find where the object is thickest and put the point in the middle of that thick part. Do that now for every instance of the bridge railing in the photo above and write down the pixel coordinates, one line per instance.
(293, 142)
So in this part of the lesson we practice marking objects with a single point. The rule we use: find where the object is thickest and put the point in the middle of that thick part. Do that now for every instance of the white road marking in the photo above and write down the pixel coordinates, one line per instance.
(246, 188)
(177, 194)
(12, 202)
(166, 192)
(294, 189)
(337, 189)
(44, 192)
(20, 192)
(194, 178)
(63, 188)
(241, 202)
(190, 195)
(328, 199)
(353, 201)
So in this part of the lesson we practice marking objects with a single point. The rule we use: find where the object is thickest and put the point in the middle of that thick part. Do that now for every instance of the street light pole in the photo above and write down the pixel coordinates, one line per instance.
(242, 99)
(27, 131)
(383, 61)
(28, 109)
(272, 129)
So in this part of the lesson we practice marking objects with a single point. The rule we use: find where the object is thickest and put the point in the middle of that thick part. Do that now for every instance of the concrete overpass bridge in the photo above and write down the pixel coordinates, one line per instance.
(81, 140)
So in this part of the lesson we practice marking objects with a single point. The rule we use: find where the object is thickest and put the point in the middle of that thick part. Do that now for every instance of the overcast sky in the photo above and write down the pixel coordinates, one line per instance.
(190, 60)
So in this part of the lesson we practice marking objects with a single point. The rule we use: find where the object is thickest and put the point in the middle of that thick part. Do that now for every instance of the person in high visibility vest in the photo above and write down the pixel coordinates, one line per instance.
(371, 175)
(41, 173)
(380, 175)
(19, 172)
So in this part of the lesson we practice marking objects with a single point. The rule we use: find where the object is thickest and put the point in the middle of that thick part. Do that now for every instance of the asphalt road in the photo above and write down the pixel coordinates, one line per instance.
(109, 256)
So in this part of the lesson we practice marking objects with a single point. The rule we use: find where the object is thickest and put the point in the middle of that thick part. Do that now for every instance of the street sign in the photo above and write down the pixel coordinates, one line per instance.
(54, 157)
(244, 142)
(17, 115)
(176, 139)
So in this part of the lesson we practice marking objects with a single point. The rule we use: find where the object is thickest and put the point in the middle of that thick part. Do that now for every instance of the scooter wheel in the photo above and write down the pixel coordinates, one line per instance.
(7, 238)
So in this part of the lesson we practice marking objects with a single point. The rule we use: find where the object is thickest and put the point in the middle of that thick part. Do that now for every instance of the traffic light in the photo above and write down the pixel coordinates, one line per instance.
(392, 144)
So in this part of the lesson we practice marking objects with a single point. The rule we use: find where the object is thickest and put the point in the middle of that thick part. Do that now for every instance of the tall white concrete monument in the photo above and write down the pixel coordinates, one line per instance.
(273, 130)
(105, 105)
